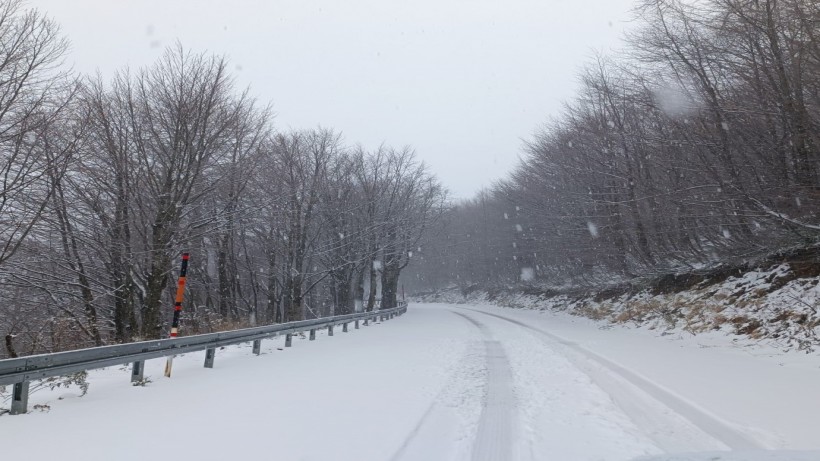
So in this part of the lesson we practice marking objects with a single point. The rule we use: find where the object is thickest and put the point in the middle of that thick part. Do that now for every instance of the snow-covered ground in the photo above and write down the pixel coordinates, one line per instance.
(778, 305)
(445, 382)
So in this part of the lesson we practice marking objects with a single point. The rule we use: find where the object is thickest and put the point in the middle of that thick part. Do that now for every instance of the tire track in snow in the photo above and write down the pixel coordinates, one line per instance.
(707, 423)
(401, 453)
(446, 428)
(494, 437)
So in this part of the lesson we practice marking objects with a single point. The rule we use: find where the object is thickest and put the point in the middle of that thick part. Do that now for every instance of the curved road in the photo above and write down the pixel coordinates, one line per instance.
(443, 382)
(546, 397)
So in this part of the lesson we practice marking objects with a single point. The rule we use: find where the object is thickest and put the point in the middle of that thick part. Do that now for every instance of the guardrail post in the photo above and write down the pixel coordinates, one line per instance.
(19, 398)
(138, 371)
(330, 330)
(210, 354)
(365, 321)
(312, 334)
(288, 340)
(356, 325)
(344, 327)
(257, 347)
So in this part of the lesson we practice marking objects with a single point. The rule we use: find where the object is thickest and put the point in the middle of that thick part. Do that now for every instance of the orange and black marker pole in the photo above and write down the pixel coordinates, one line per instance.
(183, 271)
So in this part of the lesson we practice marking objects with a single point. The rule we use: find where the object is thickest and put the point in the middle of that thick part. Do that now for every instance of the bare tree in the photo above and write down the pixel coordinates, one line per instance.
(33, 95)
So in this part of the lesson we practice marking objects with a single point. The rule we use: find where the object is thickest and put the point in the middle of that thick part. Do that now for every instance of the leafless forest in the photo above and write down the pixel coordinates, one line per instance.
(105, 182)
(695, 146)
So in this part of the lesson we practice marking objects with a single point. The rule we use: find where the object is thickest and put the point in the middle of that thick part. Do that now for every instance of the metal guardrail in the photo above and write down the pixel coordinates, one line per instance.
(21, 371)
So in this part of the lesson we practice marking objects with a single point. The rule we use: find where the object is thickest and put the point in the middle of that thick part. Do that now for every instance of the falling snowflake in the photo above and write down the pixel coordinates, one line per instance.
(593, 229)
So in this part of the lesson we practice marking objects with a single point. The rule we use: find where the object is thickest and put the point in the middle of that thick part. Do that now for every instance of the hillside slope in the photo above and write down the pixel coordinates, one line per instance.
(775, 300)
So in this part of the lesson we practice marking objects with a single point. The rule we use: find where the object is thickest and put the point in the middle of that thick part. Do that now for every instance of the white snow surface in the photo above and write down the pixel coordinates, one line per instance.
(445, 382)
(777, 306)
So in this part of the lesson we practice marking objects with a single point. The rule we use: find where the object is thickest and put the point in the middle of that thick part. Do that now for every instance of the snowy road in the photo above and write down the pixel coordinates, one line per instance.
(444, 382)
(670, 422)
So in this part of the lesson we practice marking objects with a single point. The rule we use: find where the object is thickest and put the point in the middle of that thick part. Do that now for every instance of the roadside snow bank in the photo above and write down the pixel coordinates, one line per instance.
(778, 305)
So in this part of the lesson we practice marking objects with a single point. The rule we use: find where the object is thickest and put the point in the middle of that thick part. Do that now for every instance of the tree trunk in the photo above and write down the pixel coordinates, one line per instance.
(157, 279)
(152, 321)
(371, 297)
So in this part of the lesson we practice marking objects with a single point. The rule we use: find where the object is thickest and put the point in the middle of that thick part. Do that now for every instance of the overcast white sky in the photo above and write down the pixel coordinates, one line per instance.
(461, 81)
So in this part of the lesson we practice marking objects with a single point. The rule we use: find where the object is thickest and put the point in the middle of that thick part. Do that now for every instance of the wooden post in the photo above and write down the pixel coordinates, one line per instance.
(183, 271)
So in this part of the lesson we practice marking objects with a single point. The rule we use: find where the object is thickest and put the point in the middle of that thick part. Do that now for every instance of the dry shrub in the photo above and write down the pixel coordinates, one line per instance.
(759, 293)
(718, 321)
(747, 326)
(637, 311)
(697, 314)
(595, 312)
(718, 296)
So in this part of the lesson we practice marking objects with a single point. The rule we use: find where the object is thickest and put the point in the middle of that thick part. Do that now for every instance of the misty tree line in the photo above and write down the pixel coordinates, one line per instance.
(105, 182)
(698, 143)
